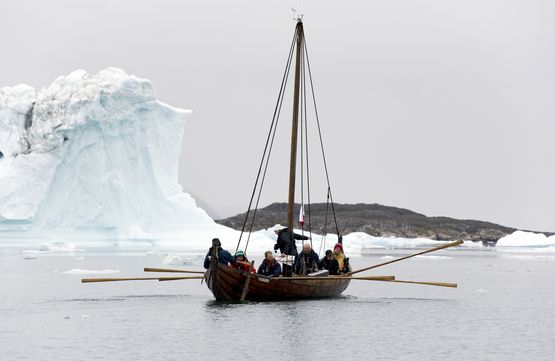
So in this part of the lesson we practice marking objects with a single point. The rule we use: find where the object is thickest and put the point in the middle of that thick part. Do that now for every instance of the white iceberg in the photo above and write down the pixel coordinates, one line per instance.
(526, 239)
(78, 271)
(93, 152)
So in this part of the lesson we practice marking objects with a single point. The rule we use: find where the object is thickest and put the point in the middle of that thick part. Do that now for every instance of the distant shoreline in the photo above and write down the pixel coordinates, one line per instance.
(378, 220)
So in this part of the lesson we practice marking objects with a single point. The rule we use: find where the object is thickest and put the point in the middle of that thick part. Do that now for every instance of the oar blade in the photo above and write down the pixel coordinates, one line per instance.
(439, 284)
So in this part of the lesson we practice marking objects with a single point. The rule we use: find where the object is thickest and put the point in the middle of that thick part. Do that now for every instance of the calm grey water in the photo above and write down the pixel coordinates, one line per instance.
(504, 309)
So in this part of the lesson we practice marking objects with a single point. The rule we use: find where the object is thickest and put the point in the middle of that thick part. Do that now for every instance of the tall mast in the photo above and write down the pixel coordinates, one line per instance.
(294, 127)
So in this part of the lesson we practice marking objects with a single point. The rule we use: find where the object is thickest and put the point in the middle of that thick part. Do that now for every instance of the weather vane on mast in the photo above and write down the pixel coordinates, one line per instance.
(297, 15)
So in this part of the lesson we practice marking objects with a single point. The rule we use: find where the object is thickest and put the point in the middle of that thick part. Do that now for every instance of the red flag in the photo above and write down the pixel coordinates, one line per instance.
(301, 216)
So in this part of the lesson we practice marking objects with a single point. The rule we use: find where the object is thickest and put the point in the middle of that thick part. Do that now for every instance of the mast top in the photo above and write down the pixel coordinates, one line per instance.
(297, 16)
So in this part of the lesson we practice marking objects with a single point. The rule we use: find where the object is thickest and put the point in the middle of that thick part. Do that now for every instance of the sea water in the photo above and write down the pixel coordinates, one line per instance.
(503, 309)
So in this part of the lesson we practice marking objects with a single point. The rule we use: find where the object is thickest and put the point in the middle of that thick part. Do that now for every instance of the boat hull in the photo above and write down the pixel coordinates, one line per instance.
(228, 284)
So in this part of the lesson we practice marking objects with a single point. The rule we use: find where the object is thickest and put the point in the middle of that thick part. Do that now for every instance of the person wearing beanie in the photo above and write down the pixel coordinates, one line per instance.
(330, 263)
(286, 245)
(242, 263)
(340, 257)
(224, 257)
(286, 240)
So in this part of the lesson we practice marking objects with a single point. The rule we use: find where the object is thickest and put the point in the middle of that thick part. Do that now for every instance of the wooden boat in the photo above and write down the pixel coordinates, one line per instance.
(230, 284)
(227, 283)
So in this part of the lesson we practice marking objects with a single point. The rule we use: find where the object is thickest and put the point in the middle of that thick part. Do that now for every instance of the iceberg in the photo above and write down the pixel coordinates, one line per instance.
(526, 239)
(77, 271)
(93, 153)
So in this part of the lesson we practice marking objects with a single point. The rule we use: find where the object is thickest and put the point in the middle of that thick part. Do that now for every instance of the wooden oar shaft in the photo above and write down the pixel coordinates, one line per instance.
(392, 279)
(374, 278)
(147, 269)
(91, 280)
(440, 284)
(303, 278)
(452, 244)
(180, 278)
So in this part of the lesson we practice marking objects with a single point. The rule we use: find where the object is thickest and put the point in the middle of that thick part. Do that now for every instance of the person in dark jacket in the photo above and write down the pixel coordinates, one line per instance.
(330, 263)
(307, 261)
(286, 240)
(269, 267)
(224, 256)
(286, 245)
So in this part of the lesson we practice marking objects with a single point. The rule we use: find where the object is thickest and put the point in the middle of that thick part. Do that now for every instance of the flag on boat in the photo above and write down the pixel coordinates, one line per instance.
(301, 216)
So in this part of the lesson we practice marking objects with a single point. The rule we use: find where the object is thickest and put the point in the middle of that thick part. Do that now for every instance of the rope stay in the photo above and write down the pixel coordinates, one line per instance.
(321, 139)
(303, 99)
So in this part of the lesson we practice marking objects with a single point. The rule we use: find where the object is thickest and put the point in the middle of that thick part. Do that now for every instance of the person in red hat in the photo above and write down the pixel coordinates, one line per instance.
(339, 255)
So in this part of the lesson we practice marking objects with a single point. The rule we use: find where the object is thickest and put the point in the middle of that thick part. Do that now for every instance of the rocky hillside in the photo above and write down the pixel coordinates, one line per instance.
(377, 220)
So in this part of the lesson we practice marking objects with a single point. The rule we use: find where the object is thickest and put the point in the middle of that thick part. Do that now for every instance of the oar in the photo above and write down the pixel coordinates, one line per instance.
(374, 278)
(90, 280)
(180, 278)
(440, 284)
(245, 263)
(392, 279)
(456, 243)
(171, 270)
(316, 278)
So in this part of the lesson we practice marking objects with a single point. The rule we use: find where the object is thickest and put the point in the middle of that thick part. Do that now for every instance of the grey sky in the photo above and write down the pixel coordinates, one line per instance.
(442, 107)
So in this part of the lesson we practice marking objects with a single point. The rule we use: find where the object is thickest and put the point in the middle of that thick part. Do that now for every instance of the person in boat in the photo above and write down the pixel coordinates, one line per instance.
(286, 240)
(330, 263)
(287, 247)
(269, 267)
(342, 261)
(224, 256)
(307, 261)
(242, 263)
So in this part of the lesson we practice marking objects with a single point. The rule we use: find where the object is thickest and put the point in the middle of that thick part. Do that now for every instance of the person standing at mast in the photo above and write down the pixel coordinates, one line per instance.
(286, 245)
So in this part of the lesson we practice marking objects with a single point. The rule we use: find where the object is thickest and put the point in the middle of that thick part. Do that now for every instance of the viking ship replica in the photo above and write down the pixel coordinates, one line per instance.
(232, 284)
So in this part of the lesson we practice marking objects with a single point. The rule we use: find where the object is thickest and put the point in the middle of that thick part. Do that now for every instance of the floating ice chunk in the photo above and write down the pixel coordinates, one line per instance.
(173, 260)
(526, 239)
(433, 257)
(77, 271)
(472, 244)
(56, 247)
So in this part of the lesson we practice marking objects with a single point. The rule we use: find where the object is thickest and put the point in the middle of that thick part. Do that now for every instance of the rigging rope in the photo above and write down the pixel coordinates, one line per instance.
(320, 135)
(324, 230)
(303, 101)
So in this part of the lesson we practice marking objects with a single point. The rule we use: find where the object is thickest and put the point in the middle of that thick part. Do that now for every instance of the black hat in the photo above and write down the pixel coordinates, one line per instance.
(328, 252)
(216, 242)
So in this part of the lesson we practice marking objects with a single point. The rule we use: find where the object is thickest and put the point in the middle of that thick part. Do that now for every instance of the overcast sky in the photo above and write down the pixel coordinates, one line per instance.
(443, 107)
